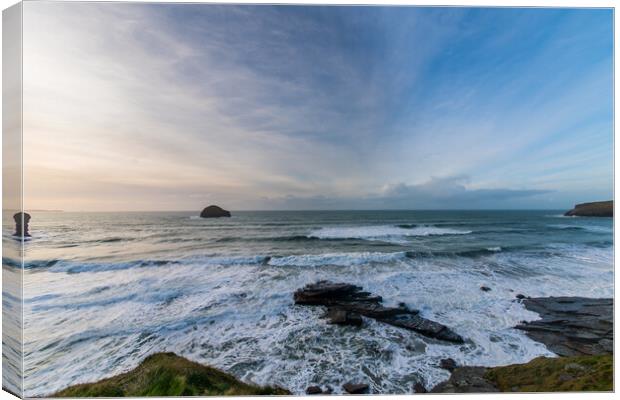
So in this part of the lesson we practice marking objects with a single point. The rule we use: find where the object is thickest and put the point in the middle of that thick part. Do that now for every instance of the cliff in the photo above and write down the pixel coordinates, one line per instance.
(166, 374)
(595, 209)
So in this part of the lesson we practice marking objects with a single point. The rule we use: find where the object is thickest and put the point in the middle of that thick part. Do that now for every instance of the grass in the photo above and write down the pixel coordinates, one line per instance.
(564, 374)
(166, 374)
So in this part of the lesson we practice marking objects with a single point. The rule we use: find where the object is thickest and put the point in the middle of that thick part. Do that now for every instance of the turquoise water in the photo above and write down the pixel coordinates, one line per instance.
(103, 290)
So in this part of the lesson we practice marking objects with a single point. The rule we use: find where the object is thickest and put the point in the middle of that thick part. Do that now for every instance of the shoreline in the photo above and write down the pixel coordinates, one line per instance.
(579, 329)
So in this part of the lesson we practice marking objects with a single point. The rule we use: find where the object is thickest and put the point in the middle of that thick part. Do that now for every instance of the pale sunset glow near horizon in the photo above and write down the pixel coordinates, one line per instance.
(178, 106)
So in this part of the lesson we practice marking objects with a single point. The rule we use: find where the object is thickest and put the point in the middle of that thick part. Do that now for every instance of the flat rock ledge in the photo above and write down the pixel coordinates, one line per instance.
(571, 326)
(346, 303)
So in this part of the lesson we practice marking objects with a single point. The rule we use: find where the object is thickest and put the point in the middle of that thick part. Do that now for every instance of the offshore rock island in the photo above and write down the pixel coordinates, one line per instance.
(214, 212)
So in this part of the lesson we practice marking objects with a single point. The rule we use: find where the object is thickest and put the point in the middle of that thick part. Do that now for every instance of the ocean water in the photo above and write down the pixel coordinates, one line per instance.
(104, 290)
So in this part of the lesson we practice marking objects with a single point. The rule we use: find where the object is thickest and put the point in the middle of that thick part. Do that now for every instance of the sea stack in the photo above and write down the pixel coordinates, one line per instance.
(595, 209)
(214, 212)
(21, 224)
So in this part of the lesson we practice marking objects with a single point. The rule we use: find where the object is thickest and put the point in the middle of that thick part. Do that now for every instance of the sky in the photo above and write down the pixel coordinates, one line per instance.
(178, 106)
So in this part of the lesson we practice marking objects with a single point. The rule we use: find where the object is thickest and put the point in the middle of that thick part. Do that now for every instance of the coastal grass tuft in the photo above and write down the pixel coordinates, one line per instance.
(564, 374)
(166, 374)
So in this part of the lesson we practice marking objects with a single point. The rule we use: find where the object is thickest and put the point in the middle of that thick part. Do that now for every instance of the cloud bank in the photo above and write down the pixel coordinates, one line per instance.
(436, 193)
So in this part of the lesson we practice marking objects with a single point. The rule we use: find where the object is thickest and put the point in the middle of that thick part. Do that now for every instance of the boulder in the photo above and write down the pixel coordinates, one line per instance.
(314, 390)
(214, 212)
(340, 297)
(595, 209)
(355, 388)
(485, 288)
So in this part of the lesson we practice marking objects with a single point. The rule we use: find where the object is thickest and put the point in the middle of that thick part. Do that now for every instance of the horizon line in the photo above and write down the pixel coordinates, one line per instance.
(293, 210)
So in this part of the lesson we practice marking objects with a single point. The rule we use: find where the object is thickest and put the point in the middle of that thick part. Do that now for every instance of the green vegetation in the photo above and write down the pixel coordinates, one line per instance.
(581, 373)
(166, 374)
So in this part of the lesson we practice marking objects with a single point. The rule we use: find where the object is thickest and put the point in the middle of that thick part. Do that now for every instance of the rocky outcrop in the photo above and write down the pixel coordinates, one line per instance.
(347, 298)
(595, 209)
(21, 224)
(214, 212)
(578, 329)
(571, 325)
(542, 374)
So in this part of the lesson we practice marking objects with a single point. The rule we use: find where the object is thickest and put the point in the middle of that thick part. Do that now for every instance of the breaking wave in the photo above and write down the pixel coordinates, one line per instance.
(383, 232)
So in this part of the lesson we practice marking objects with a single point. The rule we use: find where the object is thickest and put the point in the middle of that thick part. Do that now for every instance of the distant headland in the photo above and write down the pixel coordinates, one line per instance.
(594, 209)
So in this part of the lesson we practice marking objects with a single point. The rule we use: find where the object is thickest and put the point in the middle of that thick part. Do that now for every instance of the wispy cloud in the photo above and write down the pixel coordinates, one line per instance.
(137, 106)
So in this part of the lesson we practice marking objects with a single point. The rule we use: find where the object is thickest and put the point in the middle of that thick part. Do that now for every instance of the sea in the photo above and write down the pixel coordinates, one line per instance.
(104, 290)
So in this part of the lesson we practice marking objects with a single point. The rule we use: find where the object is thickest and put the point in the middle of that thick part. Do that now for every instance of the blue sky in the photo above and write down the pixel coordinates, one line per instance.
(162, 107)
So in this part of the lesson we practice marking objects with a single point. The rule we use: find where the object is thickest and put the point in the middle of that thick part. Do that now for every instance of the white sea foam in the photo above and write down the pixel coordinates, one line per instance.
(78, 267)
(339, 259)
(229, 305)
(382, 232)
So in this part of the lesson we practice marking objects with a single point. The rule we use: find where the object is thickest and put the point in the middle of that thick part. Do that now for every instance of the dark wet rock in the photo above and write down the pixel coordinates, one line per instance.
(485, 288)
(571, 325)
(330, 293)
(466, 380)
(21, 224)
(419, 388)
(520, 296)
(352, 298)
(355, 388)
(340, 316)
(447, 363)
(314, 390)
(595, 209)
(214, 212)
